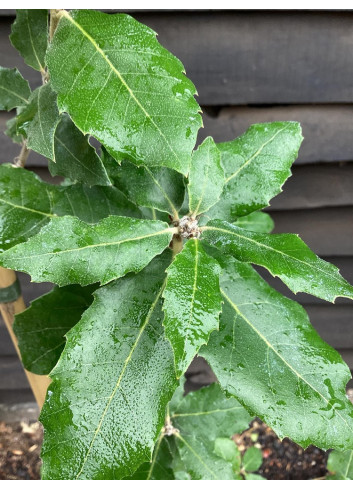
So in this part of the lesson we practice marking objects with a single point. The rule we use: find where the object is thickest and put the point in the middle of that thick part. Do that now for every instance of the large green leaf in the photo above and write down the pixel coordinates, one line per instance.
(270, 358)
(38, 121)
(14, 89)
(106, 84)
(202, 417)
(341, 464)
(29, 35)
(206, 177)
(256, 166)
(284, 255)
(106, 404)
(69, 251)
(41, 328)
(192, 302)
(75, 158)
(158, 188)
(27, 204)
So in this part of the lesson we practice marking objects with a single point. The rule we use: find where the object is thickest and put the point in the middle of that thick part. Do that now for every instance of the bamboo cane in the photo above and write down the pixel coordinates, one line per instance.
(39, 383)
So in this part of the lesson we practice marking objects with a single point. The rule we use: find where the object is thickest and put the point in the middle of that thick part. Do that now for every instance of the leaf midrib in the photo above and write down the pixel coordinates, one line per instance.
(117, 385)
(244, 165)
(269, 345)
(242, 236)
(98, 245)
(122, 80)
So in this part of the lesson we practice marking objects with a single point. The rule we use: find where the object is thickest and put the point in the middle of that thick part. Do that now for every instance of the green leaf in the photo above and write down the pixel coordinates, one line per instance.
(38, 121)
(27, 204)
(41, 328)
(91, 204)
(75, 158)
(202, 417)
(285, 256)
(29, 35)
(160, 468)
(107, 402)
(206, 177)
(68, 250)
(256, 166)
(270, 358)
(158, 188)
(11, 131)
(252, 459)
(341, 464)
(14, 89)
(227, 449)
(192, 302)
(148, 116)
(258, 222)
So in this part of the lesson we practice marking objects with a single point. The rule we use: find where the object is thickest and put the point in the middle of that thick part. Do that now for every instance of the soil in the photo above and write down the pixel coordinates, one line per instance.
(20, 448)
(282, 460)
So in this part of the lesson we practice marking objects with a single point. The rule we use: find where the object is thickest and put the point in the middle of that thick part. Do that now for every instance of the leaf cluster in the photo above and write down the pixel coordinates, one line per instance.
(151, 244)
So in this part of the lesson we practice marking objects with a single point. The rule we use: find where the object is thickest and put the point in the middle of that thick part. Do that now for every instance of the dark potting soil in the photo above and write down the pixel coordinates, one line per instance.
(20, 448)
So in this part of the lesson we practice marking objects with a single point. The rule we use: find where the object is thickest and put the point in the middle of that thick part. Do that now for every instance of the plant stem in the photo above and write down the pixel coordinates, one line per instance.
(55, 15)
(21, 159)
(177, 244)
(38, 383)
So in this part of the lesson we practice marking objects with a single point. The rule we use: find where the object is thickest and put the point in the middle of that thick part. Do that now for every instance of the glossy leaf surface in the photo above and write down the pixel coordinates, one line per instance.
(252, 459)
(39, 119)
(68, 250)
(14, 89)
(284, 255)
(228, 450)
(11, 131)
(202, 417)
(75, 158)
(109, 88)
(29, 35)
(106, 404)
(192, 302)
(256, 166)
(158, 188)
(160, 467)
(27, 204)
(266, 341)
(206, 177)
(41, 329)
(341, 464)
(258, 222)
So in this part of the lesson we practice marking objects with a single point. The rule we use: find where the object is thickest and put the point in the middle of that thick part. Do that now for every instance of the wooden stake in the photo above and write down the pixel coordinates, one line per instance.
(39, 383)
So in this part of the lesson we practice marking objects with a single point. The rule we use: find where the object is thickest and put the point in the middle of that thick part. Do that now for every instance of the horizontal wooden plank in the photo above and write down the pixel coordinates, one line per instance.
(12, 375)
(314, 186)
(327, 130)
(328, 232)
(239, 57)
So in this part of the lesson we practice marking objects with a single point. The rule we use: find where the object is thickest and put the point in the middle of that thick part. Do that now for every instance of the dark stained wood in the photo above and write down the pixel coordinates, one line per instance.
(239, 57)
(327, 130)
(313, 186)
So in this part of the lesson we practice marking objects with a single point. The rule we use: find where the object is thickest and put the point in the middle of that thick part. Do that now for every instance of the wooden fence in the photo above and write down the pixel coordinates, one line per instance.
(253, 67)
